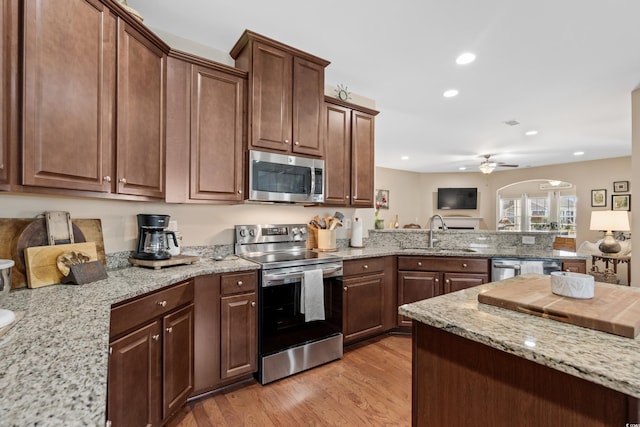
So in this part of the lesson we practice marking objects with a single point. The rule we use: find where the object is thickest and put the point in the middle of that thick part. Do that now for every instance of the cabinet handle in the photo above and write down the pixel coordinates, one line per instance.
(123, 180)
(106, 178)
(155, 337)
(239, 282)
(419, 263)
(253, 303)
(162, 303)
(345, 289)
(464, 265)
(169, 330)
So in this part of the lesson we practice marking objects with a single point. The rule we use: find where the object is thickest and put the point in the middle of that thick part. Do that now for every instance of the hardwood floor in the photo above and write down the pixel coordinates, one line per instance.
(369, 386)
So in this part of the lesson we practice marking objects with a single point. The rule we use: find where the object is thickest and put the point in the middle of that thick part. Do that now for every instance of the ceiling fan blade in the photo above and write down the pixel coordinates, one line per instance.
(504, 165)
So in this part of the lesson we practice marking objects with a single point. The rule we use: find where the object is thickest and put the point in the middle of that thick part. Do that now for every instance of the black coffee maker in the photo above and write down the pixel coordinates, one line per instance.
(152, 237)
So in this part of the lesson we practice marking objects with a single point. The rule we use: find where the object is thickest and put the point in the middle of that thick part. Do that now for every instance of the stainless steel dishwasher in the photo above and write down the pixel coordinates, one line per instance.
(503, 268)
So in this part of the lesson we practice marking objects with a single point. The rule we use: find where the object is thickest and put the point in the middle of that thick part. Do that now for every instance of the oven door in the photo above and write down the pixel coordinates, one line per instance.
(281, 178)
(282, 323)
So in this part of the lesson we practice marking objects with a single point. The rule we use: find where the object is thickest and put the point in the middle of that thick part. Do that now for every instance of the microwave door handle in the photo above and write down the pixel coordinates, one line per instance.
(313, 182)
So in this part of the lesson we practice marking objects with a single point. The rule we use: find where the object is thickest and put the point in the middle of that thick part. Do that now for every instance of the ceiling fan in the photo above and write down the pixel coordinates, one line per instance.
(487, 166)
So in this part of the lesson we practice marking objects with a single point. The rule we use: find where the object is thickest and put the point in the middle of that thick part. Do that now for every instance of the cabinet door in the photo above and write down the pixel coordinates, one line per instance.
(362, 158)
(238, 337)
(141, 110)
(206, 375)
(337, 155)
(575, 266)
(178, 359)
(415, 286)
(271, 98)
(457, 281)
(363, 306)
(308, 108)
(69, 92)
(8, 92)
(217, 101)
(134, 391)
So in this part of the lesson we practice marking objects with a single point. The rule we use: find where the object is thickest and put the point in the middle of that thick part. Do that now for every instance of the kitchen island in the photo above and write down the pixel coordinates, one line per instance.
(480, 364)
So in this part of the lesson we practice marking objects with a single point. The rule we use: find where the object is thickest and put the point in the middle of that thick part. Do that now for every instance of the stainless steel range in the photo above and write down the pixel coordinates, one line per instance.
(300, 299)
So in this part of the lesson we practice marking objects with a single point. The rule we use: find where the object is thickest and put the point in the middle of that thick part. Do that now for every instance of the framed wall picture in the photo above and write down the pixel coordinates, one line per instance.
(382, 199)
(620, 186)
(621, 202)
(598, 198)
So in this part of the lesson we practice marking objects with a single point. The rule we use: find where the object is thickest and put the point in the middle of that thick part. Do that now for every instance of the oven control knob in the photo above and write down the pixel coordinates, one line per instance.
(303, 230)
(243, 232)
(295, 231)
(252, 233)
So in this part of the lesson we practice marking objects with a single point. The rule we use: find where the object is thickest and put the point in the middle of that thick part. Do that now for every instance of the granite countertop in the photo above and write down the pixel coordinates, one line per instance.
(602, 358)
(475, 252)
(53, 368)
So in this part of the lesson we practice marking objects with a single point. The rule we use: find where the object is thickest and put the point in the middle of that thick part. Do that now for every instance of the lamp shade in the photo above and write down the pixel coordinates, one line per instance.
(610, 221)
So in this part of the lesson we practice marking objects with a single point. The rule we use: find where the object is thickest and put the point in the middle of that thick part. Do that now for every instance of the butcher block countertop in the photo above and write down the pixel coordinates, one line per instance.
(602, 358)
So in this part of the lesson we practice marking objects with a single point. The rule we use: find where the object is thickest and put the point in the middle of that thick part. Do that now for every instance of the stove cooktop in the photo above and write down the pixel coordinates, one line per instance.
(288, 258)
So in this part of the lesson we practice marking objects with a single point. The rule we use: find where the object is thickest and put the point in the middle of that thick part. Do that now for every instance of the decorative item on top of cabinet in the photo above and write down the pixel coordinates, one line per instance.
(205, 130)
(9, 119)
(286, 93)
(349, 154)
(71, 129)
(151, 356)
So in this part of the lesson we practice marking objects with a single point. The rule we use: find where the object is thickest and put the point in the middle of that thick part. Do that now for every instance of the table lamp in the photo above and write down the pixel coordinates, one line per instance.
(609, 221)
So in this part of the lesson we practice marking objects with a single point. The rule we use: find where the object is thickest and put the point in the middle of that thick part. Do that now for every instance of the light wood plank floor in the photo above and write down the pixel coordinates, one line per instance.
(369, 386)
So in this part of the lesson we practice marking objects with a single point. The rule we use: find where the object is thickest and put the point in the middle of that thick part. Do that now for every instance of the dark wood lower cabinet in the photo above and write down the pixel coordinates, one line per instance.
(238, 323)
(458, 382)
(151, 357)
(415, 286)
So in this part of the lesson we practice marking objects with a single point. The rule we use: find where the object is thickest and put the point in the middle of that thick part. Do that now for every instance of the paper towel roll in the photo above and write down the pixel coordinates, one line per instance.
(356, 233)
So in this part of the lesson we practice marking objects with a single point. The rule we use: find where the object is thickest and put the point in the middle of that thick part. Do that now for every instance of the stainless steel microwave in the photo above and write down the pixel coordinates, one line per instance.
(283, 178)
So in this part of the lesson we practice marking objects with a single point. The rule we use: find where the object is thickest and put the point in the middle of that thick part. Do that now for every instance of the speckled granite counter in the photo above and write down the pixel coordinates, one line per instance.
(599, 357)
(53, 362)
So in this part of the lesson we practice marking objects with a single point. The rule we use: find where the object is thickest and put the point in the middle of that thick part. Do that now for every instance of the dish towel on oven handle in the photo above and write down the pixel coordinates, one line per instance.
(312, 295)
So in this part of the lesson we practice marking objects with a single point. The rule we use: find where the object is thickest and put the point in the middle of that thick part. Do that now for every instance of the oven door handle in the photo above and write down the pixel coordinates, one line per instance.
(272, 279)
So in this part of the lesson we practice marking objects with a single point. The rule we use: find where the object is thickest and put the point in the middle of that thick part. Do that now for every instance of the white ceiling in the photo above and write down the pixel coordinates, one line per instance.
(563, 67)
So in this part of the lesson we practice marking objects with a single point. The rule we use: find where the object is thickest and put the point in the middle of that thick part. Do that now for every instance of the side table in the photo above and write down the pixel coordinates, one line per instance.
(614, 260)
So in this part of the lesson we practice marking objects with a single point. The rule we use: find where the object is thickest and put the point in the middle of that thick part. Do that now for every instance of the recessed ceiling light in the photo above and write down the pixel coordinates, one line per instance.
(465, 58)
(578, 153)
(450, 93)
(531, 132)
(404, 158)
(462, 168)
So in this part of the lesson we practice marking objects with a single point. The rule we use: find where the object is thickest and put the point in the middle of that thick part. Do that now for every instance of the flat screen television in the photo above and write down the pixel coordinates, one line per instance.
(457, 198)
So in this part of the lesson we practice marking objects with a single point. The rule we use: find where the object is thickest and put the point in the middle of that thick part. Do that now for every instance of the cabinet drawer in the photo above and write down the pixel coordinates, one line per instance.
(145, 308)
(363, 266)
(238, 283)
(446, 264)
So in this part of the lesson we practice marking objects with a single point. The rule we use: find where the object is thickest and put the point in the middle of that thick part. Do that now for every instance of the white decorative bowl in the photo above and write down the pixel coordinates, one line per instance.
(572, 285)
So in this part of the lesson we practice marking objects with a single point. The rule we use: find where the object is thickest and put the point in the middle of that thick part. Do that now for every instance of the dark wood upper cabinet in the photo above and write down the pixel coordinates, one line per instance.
(349, 157)
(94, 100)
(69, 94)
(141, 110)
(9, 101)
(205, 130)
(286, 93)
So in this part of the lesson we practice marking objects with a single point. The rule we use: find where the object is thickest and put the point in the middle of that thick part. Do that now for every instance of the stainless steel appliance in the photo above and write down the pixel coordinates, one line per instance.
(152, 237)
(283, 178)
(503, 268)
(288, 340)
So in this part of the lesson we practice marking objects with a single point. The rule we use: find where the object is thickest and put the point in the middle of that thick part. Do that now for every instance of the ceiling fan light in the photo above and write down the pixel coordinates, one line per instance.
(486, 167)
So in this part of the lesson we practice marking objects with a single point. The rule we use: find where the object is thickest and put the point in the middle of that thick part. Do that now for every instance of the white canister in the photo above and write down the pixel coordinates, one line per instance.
(572, 285)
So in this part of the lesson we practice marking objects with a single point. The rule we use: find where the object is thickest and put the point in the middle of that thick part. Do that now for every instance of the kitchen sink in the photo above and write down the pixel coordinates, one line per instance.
(443, 249)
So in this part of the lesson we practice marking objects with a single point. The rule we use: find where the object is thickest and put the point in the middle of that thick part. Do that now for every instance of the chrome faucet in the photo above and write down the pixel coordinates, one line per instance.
(444, 227)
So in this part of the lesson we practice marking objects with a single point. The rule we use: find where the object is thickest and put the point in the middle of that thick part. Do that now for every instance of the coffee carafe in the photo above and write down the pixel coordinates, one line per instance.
(152, 237)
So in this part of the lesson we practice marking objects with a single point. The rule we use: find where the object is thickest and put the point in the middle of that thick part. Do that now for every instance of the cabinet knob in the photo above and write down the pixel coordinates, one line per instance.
(296, 143)
(162, 303)
(345, 289)
(253, 303)
(239, 191)
(239, 282)
(155, 337)
(106, 178)
(346, 197)
(447, 281)
(436, 280)
(419, 263)
(169, 330)
(365, 266)
(123, 180)
(464, 265)
(286, 141)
